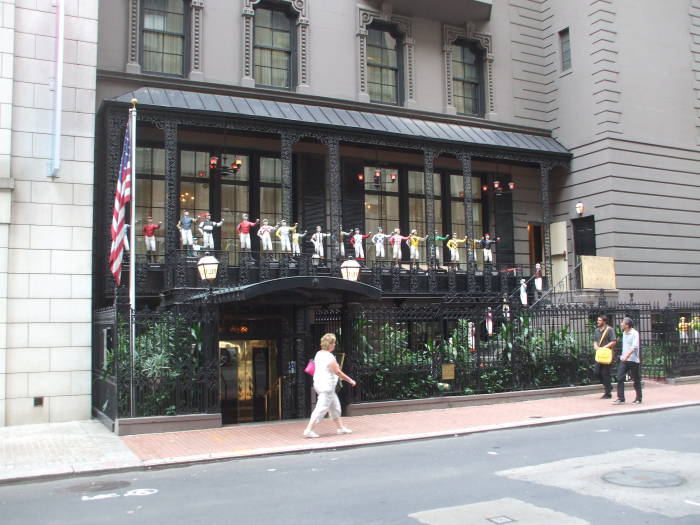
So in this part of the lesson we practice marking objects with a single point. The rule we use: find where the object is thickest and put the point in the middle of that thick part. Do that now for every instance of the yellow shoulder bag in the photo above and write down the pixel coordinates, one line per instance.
(603, 355)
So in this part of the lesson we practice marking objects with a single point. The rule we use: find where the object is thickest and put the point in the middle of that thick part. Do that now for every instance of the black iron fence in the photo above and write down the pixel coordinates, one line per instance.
(172, 369)
(422, 351)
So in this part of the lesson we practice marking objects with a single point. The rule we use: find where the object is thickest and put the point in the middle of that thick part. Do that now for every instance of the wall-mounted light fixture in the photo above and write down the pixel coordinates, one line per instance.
(499, 188)
(580, 208)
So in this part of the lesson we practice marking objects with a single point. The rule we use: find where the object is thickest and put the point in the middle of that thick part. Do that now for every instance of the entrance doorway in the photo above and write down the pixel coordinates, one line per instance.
(250, 383)
(535, 243)
(584, 236)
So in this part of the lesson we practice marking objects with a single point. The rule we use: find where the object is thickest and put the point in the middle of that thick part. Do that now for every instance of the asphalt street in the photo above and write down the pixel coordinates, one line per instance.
(633, 469)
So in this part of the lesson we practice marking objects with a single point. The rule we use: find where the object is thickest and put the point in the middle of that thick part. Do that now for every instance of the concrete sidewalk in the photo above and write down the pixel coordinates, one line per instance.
(63, 449)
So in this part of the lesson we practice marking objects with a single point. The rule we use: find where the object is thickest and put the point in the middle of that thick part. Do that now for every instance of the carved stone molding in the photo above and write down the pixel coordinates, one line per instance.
(196, 73)
(451, 34)
(132, 62)
(405, 26)
(301, 53)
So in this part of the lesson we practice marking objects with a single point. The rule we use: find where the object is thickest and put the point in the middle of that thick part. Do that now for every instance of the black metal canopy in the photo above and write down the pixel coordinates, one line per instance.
(337, 118)
(309, 289)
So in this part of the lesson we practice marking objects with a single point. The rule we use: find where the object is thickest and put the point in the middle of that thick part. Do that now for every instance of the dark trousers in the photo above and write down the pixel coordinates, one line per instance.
(622, 369)
(602, 372)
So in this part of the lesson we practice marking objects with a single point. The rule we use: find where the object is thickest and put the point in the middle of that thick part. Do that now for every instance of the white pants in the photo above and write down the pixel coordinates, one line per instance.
(414, 253)
(326, 403)
(396, 251)
(318, 247)
(296, 250)
(126, 242)
(208, 240)
(538, 284)
(150, 243)
(379, 250)
(341, 248)
(245, 240)
(454, 255)
(359, 251)
(488, 255)
(186, 236)
(266, 241)
(437, 253)
(286, 243)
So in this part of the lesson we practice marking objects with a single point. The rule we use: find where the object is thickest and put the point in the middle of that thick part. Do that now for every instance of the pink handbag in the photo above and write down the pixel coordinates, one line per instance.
(310, 368)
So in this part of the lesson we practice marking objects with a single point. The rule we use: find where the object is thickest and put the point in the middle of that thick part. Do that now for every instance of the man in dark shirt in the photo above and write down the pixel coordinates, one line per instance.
(604, 336)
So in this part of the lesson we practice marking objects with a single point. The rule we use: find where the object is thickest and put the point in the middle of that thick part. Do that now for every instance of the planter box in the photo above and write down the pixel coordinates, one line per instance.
(435, 403)
(158, 424)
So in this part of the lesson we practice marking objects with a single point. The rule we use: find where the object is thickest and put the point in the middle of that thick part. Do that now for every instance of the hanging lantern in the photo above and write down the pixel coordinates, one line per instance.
(361, 177)
(511, 186)
(393, 176)
(213, 163)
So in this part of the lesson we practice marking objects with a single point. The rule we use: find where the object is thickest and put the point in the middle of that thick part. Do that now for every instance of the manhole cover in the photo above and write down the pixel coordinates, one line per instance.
(646, 479)
(100, 486)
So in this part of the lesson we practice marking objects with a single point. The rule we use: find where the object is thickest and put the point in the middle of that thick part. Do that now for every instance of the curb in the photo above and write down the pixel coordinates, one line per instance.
(320, 447)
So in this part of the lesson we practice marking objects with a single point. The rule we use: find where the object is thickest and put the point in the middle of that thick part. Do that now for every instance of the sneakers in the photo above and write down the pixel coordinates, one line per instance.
(637, 402)
(618, 402)
(343, 430)
(606, 396)
(310, 434)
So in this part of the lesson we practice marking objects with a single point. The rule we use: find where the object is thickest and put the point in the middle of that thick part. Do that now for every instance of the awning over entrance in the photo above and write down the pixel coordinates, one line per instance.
(322, 116)
(298, 290)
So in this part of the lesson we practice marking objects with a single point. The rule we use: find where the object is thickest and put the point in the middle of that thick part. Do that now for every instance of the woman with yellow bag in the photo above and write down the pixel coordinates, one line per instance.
(603, 344)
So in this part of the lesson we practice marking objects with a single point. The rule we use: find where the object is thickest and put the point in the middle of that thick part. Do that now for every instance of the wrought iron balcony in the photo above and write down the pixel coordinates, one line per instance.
(402, 279)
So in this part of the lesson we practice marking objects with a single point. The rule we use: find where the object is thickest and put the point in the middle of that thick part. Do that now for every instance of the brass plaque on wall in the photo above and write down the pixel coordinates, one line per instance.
(598, 272)
(448, 371)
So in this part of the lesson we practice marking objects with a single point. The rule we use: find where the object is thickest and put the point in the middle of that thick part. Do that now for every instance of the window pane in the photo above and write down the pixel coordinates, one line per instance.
(374, 55)
(175, 6)
(471, 73)
(281, 40)
(154, 21)
(263, 17)
(263, 36)
(280, 78)
(263, 75)
(280, 59)
(152, 61)
(374, 74)
(152, 41)
(280, 20)
(374, 37)
(174, 23)
(389, 57)
(416, 215)
(172, 44)
(270, 170)
(415, 182)
(389, 95)
(187, 164)
(388, 77)
(263, 57)
(270, 204)
(457, 69)
(158, 161)
(375, 92)
(172, 64)
(155, 4)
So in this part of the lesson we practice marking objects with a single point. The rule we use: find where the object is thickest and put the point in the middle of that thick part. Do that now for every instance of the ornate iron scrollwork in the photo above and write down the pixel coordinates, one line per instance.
(395, 277)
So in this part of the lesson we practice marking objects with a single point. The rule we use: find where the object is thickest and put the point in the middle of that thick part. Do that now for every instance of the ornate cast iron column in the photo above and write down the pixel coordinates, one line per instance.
(428, 158)
(466, 160)
(545, 170)
(333, 185)
(288, 140)
(300, 355)
(171, 198)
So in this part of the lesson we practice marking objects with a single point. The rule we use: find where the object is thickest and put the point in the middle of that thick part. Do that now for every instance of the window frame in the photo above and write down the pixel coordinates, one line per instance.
(479, 55)
(186, 26)
(292, 17)
(565, 50)
(399, 70)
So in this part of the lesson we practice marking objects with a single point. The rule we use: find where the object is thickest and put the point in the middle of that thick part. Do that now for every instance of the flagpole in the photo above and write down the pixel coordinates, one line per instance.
(132, 255)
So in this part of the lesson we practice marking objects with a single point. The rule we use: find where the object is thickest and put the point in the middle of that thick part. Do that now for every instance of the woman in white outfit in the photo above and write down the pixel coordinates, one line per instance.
(326, 377)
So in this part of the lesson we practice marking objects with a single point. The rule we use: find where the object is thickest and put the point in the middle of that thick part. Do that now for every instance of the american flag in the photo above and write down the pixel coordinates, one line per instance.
(122, 196)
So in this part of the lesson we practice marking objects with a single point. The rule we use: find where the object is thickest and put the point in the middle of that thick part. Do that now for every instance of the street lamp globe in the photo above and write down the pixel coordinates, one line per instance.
(350, 270)
(208, 267)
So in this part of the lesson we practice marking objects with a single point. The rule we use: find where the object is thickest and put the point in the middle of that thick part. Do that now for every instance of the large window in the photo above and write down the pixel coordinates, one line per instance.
(273, 48)
(271, 189)
(383, 66)
(235, 201)
(466, 79)
(416, 203)
(164, 36)
(150, 192)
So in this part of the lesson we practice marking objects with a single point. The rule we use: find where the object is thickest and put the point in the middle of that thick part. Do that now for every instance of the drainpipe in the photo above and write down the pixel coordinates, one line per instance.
(57, 83)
